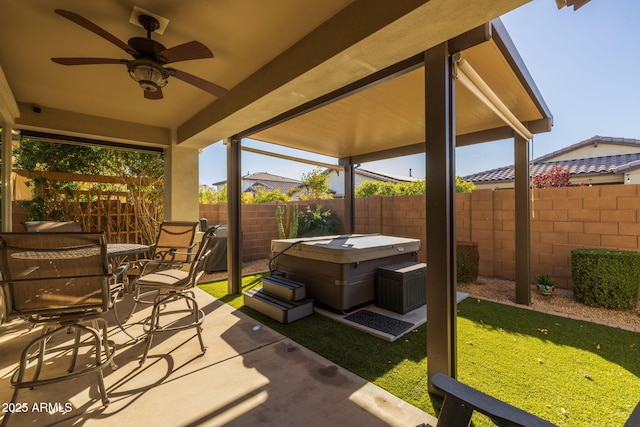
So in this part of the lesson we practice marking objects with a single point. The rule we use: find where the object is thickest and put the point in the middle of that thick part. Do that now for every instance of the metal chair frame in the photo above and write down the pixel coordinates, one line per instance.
(60, 280)
(173, 285)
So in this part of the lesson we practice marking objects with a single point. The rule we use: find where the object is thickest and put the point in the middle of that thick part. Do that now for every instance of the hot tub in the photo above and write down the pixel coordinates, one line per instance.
(339, 271)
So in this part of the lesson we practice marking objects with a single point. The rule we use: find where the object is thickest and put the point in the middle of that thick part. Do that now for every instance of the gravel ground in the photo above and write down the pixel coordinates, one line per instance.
(562, 303)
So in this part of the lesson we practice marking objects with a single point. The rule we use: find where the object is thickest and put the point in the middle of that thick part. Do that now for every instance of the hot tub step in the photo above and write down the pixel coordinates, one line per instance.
(277, 309)
(282, 288)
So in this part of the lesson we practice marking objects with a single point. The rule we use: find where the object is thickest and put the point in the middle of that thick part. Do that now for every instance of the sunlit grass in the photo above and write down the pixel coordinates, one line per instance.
(569, 372)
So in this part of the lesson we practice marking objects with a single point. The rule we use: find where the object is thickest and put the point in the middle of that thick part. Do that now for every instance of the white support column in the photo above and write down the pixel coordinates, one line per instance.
(181, 182)
(9, 112)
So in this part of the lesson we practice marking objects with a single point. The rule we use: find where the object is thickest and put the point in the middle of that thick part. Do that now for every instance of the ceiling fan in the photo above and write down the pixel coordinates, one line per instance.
(149, 57)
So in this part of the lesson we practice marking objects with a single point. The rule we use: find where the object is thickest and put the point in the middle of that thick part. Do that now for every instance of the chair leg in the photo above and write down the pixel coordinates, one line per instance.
(41, 351)
(120, 323)
(153, 322)
(135, 304)
(14, 399)
(98, 354)
(105, 342)
(95, 340)
(76, 347)
(198, 318)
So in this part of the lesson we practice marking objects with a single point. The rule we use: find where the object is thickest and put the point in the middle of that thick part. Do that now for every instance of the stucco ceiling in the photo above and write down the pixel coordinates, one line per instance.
(272, 55)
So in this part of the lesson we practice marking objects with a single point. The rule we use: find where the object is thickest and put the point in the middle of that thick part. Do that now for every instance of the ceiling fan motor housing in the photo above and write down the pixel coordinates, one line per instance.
(149, 75)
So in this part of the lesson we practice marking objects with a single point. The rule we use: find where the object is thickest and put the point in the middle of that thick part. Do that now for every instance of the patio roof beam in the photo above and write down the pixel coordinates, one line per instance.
(292, 158)
(388, 73)
(468, 77)
(405, 150)
(510, 53)
(471, 38)
(76, 140)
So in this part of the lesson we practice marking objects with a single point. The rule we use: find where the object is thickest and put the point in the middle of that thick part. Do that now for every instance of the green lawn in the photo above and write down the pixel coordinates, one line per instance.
(569, 372)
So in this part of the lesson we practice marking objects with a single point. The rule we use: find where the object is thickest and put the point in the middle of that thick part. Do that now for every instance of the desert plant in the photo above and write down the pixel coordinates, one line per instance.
(606, 278)
(285, 216)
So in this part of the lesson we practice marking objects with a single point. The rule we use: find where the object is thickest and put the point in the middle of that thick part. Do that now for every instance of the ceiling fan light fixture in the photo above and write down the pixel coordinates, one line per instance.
(149, 75)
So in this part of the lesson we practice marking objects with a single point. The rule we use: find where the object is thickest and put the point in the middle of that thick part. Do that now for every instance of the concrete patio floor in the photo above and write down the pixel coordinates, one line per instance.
(249, 375)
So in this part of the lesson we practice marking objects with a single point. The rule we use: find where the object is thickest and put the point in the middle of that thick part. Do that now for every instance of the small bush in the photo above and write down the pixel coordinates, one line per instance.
(606, 278)
(467, 262)
(318, 222)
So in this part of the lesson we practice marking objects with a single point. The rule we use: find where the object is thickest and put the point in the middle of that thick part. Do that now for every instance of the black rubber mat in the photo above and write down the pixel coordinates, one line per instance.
(380, 322)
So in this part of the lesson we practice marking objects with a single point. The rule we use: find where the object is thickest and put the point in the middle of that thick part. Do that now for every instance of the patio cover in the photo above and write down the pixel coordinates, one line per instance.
(281, 62)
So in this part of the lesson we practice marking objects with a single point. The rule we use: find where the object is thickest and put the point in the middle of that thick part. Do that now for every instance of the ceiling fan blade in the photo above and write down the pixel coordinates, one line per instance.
(83, 22)
(87, 61)
(212, 88)
(154, 95)
(184, 52)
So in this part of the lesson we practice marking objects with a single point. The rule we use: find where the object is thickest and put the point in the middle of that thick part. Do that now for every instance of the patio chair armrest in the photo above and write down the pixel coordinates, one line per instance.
(168, 255)
(460, 401)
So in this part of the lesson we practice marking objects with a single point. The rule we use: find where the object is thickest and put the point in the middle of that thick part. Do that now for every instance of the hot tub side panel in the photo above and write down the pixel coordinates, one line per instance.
(338, 286)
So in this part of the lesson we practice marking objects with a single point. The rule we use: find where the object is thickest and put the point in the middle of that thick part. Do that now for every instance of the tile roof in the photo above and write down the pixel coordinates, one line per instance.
(615, 164)
(270, 185)
(265, 176)
(385, 177)
(268, 180)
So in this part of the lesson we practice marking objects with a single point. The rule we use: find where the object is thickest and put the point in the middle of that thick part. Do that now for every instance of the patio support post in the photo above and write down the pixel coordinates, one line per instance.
(234, 215)
(180, 182)
(522, 221)
(7, 194)
(440, 212)
(349, 201)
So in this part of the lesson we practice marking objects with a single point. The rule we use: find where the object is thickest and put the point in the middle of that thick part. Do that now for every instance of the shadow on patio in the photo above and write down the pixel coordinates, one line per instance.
(249, 375)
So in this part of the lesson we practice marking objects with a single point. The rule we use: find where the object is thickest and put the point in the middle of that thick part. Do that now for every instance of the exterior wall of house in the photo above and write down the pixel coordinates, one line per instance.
(599, 149)
(562, 219)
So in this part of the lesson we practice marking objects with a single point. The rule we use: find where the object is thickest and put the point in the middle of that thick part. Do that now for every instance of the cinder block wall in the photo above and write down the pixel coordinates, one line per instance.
(561, 219)
(259, 225)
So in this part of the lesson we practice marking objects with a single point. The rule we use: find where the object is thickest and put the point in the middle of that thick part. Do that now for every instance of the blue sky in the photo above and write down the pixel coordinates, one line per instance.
(586, 65)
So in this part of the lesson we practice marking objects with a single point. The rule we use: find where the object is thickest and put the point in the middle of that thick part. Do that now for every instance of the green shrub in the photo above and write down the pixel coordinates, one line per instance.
(606, 278)
(467, 262)
(318, 222)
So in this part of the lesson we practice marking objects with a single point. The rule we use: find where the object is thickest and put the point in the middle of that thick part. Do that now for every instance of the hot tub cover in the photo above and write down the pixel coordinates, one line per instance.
(345, 248)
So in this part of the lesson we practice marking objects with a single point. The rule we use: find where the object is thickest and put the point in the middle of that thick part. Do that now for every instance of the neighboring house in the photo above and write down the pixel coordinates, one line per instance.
(336, 179)
(595, 161)
(264, 181)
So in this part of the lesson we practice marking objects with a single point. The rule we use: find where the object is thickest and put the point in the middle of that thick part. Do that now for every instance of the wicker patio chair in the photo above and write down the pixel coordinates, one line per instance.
(173, 285)
(62, 282)
(52, 226)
